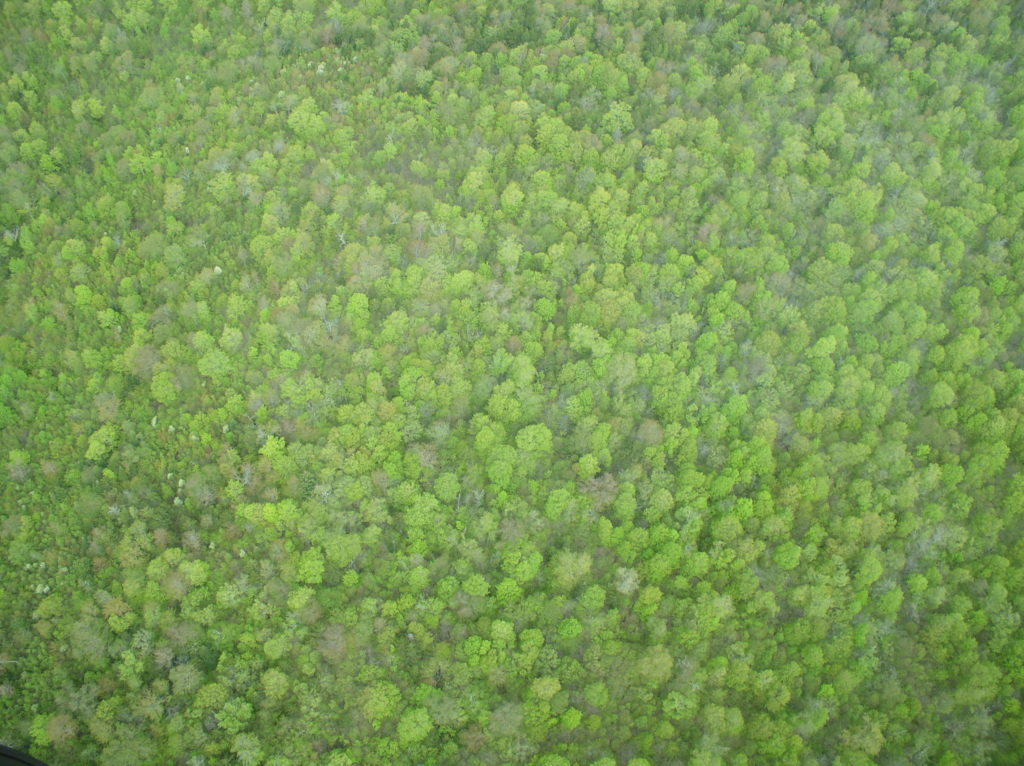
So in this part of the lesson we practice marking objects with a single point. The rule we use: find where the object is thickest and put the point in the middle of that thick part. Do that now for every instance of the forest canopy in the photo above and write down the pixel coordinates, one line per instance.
(497, 382)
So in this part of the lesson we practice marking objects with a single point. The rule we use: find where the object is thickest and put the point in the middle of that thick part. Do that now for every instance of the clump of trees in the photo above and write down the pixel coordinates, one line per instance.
(615, 383)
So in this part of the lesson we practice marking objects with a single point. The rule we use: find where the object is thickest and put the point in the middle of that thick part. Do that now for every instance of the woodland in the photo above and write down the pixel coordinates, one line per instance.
(496, 382)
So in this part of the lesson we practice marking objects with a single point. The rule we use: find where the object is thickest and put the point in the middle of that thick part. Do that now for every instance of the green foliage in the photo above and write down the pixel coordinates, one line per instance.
(379, 702)
(311, 567)
(535, 438)
(545, 688)
(787, 555)
(414, 725)
(502, 382)
(307, 121)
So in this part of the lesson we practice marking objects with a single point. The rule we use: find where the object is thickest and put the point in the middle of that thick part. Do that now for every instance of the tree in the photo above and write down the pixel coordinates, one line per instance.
(379, 702)
(535, 439)
(787, 555)
(413, 726)
(569, 568)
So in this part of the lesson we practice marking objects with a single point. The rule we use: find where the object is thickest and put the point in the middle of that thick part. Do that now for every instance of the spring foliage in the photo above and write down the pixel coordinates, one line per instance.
(548, 383)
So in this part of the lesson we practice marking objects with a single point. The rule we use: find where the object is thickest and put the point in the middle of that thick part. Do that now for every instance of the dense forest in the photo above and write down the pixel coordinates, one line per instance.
(508, 382)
